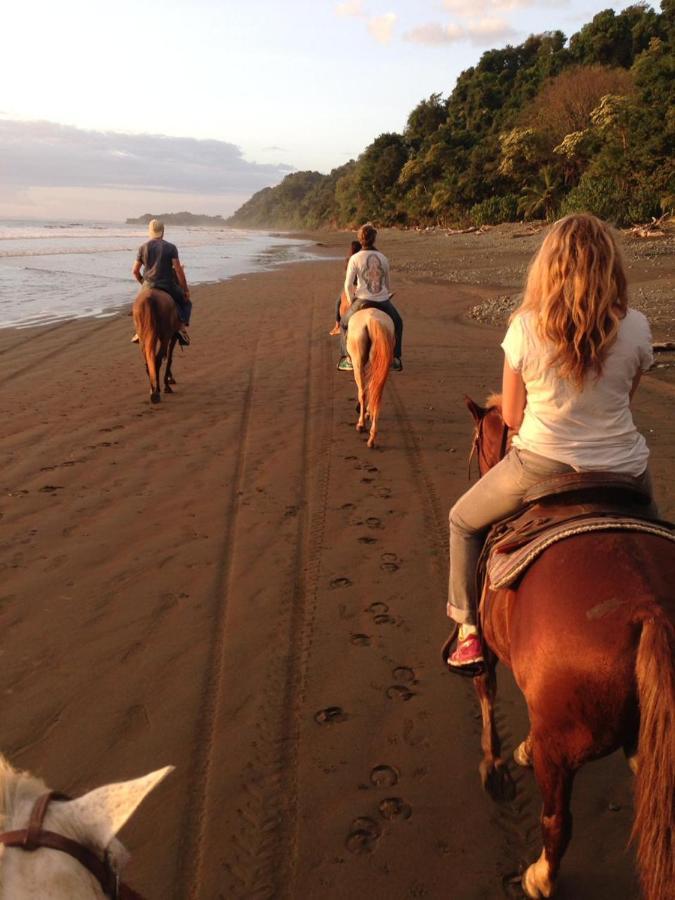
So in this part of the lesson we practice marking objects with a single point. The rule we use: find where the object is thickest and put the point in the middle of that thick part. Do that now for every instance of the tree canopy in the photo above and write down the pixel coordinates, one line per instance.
(539, 129)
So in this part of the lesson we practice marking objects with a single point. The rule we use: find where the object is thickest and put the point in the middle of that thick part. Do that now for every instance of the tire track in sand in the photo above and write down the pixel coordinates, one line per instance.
(191, 860)
(267, 836)
(255, 850)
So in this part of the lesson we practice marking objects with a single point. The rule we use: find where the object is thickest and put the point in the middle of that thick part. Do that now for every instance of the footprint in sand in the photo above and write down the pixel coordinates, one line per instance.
(367, 480)
(330, 715)
(384, 492)
(347, 506)
(363, 835)
(400, 692)
(373, 522)
(404, 675)
(390, 562)
(360, 640)
(50, 488)
(395, 808)
(367, 540)
(377, 607)
(384, 620)
(384, 776)
(351, 457)
(339, 582)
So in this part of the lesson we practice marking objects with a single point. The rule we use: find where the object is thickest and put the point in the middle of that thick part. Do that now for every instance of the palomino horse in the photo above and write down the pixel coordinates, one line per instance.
(588, 634)
(156, 321)
(370, 344)
(36, 822)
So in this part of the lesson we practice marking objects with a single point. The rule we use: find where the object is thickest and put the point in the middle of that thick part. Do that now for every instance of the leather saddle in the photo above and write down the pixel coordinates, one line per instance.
(560, 507)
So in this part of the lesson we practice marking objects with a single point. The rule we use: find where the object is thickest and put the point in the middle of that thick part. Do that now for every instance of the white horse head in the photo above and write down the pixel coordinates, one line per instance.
(92, 821)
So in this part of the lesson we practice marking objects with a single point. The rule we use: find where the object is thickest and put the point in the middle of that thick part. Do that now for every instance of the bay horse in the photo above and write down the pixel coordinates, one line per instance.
(36, 822)
(370, 344)
(157, 322)
(588, 634)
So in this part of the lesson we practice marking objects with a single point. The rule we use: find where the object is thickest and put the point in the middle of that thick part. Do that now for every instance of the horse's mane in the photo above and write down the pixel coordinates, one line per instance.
(14, 787)
(493, 401)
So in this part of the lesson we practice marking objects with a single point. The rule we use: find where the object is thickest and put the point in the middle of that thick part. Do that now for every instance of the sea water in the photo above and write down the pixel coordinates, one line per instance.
(64, 270)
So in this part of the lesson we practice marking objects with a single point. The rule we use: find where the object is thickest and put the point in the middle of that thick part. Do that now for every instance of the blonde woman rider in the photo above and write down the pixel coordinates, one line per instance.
(574, 354)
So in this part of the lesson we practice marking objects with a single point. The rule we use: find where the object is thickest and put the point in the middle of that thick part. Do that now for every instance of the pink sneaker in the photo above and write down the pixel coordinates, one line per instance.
(467, 653)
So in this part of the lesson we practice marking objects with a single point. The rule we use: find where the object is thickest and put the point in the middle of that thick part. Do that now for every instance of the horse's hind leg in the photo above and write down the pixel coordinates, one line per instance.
(359, 378)
(555, 783)
(168, 375)
(494, 773)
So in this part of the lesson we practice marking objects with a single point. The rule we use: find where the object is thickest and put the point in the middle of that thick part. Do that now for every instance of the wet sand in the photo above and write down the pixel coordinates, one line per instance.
(231, 582)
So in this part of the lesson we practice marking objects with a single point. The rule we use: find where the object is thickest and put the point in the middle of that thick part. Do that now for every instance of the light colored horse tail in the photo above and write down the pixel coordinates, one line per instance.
(654, 823)
(379, 363)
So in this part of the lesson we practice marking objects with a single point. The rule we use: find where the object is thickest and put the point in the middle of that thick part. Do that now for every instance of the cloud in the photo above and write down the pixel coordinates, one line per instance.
(48, 155)
(350, 8)
(479, 31)
(381, 27)
(471, 8)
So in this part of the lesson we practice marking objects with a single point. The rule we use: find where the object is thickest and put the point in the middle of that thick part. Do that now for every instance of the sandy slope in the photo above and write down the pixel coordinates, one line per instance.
(232, 583)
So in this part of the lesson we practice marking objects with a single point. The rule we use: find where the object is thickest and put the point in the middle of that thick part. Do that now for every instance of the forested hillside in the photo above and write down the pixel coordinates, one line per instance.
(538, 130)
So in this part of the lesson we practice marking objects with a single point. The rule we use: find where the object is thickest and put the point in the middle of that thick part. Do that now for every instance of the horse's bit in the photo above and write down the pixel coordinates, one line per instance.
(34, 837)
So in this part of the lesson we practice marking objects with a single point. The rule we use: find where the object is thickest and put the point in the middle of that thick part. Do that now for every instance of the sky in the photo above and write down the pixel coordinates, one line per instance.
(114, 109)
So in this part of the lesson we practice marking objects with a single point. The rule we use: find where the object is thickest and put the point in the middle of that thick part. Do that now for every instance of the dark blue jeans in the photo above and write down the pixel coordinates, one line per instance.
(176, 291)
(386, 306)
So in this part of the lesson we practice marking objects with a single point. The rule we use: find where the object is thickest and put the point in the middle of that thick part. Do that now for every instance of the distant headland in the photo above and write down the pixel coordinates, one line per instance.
(179, 218)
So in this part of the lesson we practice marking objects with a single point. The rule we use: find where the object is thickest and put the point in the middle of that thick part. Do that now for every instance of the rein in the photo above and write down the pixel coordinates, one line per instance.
(35, 837)
(477, 446)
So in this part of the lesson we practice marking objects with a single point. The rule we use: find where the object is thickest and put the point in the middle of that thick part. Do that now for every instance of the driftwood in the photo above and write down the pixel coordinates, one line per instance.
(651, 229)
(661, 346)
(473, 229)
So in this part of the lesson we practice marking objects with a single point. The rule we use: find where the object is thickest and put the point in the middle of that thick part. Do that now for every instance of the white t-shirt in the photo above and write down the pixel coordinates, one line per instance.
(370, 269)
(591, 428)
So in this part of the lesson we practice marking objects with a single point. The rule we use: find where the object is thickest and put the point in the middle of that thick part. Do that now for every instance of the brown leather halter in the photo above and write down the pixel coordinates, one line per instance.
(34, 837)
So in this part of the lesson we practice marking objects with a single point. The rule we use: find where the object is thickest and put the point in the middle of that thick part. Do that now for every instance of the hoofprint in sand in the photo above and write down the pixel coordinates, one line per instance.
(232, 582)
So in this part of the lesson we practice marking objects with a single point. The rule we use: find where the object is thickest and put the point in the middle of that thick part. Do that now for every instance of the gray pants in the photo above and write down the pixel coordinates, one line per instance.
(496, 495)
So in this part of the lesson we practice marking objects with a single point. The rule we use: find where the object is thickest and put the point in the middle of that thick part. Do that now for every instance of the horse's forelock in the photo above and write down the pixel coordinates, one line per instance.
(493, 401)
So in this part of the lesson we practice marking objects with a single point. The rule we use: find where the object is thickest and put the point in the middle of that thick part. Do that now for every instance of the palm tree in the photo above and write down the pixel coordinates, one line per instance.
(540, 196)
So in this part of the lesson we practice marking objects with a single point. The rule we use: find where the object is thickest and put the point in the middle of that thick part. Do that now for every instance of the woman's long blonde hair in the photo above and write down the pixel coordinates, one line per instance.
(576, 289)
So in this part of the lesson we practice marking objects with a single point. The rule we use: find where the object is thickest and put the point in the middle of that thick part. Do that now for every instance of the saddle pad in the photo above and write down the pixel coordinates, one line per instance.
(503, 567)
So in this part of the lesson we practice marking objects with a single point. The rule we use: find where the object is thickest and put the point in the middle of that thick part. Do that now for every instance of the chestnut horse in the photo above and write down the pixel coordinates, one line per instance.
(156, 321)
(370, 344)
(588, 633)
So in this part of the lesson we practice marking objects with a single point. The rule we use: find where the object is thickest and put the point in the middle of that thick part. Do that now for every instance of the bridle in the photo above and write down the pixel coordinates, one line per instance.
(478, 446)
(35, 836)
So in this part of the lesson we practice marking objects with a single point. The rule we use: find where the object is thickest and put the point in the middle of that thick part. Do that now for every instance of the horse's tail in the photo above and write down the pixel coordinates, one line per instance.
(379, 362)
(146, 320)
(654, 816)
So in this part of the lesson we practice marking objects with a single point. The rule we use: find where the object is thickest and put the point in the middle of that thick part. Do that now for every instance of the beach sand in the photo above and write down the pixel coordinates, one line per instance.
(232, 583)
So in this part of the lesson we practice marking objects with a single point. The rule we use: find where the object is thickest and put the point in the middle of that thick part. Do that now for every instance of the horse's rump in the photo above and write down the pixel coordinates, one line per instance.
(580, 606)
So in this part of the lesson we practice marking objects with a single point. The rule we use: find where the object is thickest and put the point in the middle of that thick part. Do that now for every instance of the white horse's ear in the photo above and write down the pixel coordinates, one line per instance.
(103, 811)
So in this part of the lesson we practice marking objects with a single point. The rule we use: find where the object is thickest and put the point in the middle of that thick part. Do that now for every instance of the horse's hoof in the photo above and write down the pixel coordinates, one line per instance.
(498, 783)
(167, 389)
(521, 755)
(360, 428)
(155, 397)
(371, 443)
(536, 882)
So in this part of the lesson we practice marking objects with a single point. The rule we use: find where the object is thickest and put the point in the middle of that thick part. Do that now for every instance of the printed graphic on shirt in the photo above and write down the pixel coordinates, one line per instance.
(374, 274)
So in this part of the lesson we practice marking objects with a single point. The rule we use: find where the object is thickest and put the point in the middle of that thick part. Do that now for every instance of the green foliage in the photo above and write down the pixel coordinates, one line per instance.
(534, 129)
(495, 210)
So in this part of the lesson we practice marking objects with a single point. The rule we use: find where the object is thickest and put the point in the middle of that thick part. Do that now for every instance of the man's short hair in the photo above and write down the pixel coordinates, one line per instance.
(367, 234)
(155, 228)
